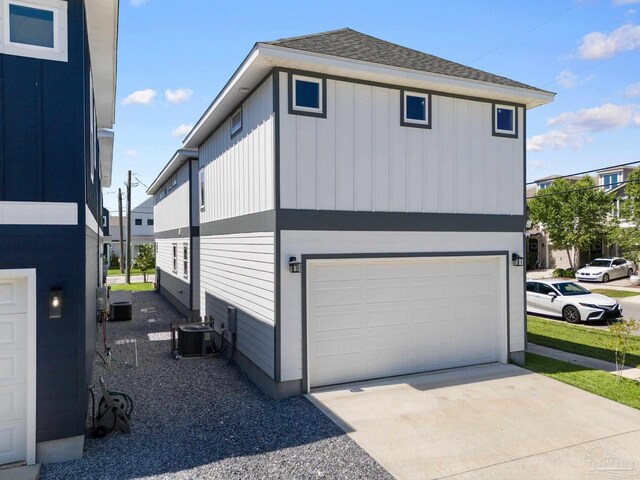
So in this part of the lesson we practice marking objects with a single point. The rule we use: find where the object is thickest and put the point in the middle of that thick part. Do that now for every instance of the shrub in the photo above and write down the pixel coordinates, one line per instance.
(568, 273)
(558, 273)
(115, 261)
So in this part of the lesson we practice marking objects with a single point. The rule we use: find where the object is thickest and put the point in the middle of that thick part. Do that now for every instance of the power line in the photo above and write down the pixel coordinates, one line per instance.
(582, 188)
(587, 171)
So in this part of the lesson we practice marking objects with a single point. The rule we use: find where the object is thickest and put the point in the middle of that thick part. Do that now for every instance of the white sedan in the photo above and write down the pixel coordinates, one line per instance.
(568, 300)
(605, 269)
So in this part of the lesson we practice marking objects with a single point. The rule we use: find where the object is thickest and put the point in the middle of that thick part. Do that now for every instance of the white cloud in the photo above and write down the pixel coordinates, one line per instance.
(141, 97)
(567, 79)
(572, 129)
(130, 153)
(630, 12)
(632, 91)
(178, 96)
(597, 45)
(617, 3)
(181, 131)
(137, 3)
(535, 164)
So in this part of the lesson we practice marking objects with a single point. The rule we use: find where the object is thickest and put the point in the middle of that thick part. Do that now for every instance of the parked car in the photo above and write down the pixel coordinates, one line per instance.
(568, 300)
(605, 269)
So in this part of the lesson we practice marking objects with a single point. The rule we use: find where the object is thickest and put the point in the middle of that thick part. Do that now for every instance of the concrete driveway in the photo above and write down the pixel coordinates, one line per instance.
(491, 421)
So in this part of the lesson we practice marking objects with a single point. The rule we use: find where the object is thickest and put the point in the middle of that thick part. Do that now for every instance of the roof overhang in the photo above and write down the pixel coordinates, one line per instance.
(102, 27)
(178, 159)
(105, 145)
(264, 57)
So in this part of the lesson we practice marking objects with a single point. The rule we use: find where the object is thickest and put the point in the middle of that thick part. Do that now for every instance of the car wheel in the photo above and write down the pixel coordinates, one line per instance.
(630, 272)
(571, 314)
(605, 278)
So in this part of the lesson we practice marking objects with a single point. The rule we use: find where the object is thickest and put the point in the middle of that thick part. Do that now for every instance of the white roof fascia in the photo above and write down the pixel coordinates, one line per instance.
(102, 30)
(180, 157)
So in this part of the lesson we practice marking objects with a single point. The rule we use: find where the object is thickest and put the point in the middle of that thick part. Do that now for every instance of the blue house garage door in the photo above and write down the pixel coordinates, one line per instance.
(373, 318)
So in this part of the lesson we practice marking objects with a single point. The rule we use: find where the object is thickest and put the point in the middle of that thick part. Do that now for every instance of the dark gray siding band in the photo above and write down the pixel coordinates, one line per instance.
(254, 222)
(278, 246)
(289, 219)
(340, 220)
(184, 232)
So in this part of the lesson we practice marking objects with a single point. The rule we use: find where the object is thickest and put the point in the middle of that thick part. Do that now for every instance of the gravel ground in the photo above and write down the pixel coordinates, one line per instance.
(203, 419)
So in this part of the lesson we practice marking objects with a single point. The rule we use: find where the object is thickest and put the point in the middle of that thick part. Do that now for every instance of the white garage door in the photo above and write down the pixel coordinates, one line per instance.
(16, 361)
(373, 318)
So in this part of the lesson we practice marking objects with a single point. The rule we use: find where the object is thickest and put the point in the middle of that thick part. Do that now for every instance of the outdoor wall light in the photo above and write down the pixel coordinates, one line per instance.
(294, 265)
(56, 300)
(517, 260)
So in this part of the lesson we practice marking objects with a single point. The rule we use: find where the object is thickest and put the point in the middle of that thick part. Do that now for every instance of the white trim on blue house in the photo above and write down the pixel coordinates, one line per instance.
(38, 213)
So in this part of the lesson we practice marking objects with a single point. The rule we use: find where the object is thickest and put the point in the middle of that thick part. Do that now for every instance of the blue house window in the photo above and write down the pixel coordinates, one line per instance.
(505, 121)
(415, 109)
(34, 28)
(610, 181)
(307, 96)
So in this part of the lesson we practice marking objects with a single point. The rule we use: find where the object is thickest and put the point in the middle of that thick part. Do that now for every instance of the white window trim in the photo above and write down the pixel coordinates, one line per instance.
(202, 189)
(185, 261)
(299, 108)
(495, 121)
(58, 53)
(424, 96)
(238, 129)
(174, 251)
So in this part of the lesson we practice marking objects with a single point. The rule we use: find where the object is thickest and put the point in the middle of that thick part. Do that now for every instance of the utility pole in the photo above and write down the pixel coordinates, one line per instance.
(128, 274)
(121, 231)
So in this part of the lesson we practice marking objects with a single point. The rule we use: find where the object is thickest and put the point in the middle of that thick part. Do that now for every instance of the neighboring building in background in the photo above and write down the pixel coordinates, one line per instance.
(539, 247)
(57, 106)
(342, 215)
(177, 231)
(141, 228)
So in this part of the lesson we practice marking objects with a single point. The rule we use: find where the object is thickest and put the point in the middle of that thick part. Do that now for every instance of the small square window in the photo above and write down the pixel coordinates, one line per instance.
(307, 96)
(505, 121)
(236, 122)
(150, 222)
(415, 109)
(34, 28)
(138, 221)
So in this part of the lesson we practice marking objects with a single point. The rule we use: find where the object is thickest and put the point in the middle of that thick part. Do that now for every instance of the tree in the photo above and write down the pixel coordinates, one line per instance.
(622, 333)
(574, 215)
(146, 260)
(627, 233)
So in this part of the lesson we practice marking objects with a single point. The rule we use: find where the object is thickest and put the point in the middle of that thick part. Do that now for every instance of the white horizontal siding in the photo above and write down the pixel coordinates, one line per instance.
(164, 257)
(317, 242)
(172, 211)
(238, 270)
(239, 171)
(361, 158)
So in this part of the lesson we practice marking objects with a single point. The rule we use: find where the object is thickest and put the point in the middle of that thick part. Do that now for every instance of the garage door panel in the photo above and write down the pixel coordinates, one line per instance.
(337, 272)
(13, 369)
(13, 295)
(13, 331)
(13, 403)
(410, 315)
(13, 437)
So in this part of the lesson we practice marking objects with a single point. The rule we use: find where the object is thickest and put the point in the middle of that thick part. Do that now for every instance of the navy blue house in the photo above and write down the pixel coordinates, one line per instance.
(57, 99)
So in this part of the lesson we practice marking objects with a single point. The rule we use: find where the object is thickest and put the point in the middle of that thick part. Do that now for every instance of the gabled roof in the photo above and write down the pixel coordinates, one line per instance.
(348, 43)
(349, 54)
(550, 178)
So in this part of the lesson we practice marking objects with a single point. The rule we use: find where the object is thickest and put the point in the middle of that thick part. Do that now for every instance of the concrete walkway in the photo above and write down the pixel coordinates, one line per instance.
(596, 364)
(120, 279)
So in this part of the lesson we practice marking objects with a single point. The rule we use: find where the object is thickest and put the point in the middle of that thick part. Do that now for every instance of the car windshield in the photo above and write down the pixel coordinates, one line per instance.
(600, 263)
(568, 289)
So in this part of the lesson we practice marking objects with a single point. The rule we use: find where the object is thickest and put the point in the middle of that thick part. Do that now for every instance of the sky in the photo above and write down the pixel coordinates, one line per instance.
(175, 56)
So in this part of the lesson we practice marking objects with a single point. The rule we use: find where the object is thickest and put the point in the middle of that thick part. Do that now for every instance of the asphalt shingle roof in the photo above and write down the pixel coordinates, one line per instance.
(347, 43)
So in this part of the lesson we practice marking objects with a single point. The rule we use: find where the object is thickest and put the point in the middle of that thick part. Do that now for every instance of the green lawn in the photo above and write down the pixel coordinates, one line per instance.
(615, 293)
(601, 383)
(133, 287)
(116, 272)
(589, 342)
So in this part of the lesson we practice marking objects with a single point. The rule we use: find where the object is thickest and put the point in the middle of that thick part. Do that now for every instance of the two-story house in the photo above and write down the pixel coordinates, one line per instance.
(177, 213)
(57, 104)
(362, 207)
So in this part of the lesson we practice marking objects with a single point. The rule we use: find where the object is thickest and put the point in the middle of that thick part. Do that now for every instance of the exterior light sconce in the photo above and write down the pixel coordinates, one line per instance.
(56, 300)
(517, 260)
(294, 265)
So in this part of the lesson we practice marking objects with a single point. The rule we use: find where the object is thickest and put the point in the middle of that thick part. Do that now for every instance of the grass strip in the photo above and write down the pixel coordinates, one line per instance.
(589, 342)
(614, 293)
(132, 287)
(603, 384)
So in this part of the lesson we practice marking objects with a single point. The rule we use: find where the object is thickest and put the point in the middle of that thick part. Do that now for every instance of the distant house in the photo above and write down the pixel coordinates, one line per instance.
(142, 224)
(349, 211)
(177, 231)
(57, 107)
(539, 247)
